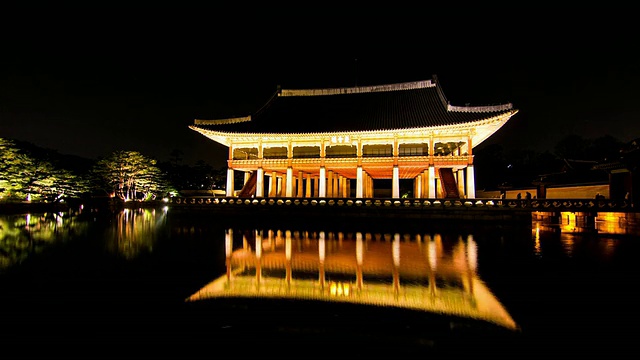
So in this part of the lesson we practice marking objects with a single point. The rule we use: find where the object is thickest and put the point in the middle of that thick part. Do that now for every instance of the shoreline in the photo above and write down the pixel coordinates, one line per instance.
(115, 206)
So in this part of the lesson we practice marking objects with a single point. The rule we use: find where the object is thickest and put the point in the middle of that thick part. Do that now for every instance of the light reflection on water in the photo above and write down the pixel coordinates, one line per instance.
(537, 279)
(131, 232)
(135, 231)
(26, 235)
(417, 272)
(572, 228)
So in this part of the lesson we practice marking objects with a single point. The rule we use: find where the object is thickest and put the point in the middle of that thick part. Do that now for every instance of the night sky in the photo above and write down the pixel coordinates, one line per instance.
(87, 82)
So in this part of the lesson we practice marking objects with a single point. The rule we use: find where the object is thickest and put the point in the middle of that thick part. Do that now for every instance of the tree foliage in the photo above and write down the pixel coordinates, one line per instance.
(201, 176)
(11, 163)
(496, 167)
(32, 178)
(129, 175)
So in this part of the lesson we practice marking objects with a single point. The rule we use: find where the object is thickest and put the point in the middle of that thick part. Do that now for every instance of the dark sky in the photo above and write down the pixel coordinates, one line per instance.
(88, 82)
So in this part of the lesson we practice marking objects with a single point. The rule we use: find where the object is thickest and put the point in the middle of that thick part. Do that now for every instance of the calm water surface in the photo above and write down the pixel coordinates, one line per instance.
(156, 283)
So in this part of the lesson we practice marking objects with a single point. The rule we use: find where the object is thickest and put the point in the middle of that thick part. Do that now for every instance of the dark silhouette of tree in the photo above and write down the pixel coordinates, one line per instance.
(490, 166)
(571, 161)
(604, 148)
(201, 176)
(175, 157)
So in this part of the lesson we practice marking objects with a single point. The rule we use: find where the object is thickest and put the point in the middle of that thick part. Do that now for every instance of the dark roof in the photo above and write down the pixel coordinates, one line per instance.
(383, 107)
(629, 158)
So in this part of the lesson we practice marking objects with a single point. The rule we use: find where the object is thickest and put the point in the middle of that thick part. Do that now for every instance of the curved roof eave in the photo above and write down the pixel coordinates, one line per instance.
(480, 131)
(485, 128)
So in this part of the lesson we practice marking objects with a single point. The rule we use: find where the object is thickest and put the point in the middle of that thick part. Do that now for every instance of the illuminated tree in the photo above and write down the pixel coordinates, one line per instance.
(129, 175)
(38, 178)
(12, 161)
(25, 177)
(63, 183)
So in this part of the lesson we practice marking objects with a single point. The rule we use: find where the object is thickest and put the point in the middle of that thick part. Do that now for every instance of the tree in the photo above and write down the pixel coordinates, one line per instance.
(39, 179)
(11, 163)
(201, 176)
(67, 184)
(129, 175)
(604, 148)
(27, 177)
(572, 147)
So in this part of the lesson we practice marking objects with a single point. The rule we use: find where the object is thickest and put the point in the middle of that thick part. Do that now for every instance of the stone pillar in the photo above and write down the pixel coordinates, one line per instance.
(344, 181)
(230, 183)
(461, 182)
(322, 183)
(395, 187)
(418, 187)
(431, 181)
(329, 183)
(359, 183)
(273, 184)
(260, 183)
(282, 185)
(425, 183)
(289, 185)
(308, 186)
(300, 186)
(471, 183)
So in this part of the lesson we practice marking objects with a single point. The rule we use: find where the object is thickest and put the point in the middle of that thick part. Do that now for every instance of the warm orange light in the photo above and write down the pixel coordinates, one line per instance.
(339, 289)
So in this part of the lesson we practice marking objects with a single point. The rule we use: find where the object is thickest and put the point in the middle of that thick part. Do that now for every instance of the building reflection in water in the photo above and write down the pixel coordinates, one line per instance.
(573, 228)
(587, 222)
(415, 272)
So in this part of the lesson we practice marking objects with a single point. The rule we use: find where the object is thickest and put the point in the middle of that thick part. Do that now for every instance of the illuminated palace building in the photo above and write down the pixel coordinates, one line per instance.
(392, 140)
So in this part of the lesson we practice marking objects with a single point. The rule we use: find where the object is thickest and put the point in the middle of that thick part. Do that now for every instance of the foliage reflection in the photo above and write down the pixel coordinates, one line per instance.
(135, 231)
(26, 235)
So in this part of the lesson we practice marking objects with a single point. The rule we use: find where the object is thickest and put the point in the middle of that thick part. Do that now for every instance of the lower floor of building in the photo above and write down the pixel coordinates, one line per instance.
(431, 182)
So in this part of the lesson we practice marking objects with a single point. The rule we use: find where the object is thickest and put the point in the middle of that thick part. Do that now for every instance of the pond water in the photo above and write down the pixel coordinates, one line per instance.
(140, 283)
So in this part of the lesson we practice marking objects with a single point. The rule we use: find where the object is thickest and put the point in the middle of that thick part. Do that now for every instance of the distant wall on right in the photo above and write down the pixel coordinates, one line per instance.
(560, 192)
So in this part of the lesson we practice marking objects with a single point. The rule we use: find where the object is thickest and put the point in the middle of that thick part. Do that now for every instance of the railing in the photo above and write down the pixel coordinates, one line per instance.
(550, 205)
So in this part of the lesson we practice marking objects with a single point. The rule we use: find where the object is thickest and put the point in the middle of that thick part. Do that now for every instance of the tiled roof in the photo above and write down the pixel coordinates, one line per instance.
(385, 107)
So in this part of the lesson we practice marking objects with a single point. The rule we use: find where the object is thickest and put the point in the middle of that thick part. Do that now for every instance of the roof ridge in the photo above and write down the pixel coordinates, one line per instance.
(487, 108)
(268, 102)
(234, 120)
(358, 89)
(468, 109)
(440, 91)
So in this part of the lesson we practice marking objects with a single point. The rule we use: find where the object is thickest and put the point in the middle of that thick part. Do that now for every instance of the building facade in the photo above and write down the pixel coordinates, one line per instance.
(393, 140)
